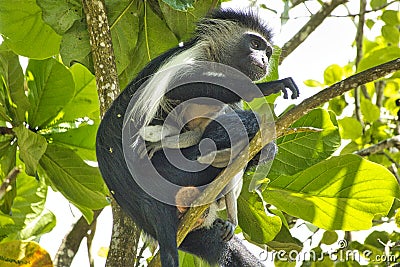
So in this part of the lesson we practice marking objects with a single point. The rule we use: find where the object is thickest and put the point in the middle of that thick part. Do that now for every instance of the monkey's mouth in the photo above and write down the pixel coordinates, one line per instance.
(257, 71)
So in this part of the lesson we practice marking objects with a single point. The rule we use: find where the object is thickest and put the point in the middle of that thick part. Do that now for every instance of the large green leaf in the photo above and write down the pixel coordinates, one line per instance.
(24, 30)
(82, 140)
(343, 192)
(378, 56)
(60, 15)
(78, 182)
(31, 146)
(85, 103)
(256, 222)
(182, 23)
(27, 206)
(51, 87)
(124, 24)
(154, 38)
(13, 85)
(8, 151)
(182, 5)
(301, 150)
(24, 253)
(75, 46)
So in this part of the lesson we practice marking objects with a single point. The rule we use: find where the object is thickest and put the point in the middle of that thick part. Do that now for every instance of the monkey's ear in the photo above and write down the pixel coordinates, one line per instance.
(224, 157)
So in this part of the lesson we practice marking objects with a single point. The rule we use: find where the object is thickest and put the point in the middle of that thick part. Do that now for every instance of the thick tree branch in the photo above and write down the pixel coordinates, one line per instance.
(102, 52)
(309, 27)
(388, 143)
(125, 233)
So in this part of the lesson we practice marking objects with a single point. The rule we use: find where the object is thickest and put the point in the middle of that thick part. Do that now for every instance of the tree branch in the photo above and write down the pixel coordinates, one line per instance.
(309, 27)
(359, 45)
(6, 130)
(72, 240)
(388, 143)
(10, 178)
(124, 236)
(212, 191)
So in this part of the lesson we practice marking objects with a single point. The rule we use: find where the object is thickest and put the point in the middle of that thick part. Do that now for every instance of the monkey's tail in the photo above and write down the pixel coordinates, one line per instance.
(207, 244)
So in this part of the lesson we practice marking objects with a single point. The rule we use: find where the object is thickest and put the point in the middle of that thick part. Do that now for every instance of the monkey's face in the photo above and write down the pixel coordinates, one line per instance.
(251, 55)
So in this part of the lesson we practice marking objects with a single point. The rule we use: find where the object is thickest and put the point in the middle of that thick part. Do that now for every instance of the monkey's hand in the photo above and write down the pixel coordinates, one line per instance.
(273, 87)
(226, 228)
(183, 140)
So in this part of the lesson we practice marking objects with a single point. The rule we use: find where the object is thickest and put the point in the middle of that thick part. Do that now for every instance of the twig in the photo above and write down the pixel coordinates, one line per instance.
(388, 143)
(10, 178)
(309, 27)
(302, 130)
(190, 218)
(72, 240)
(359, 46)
(6, 130)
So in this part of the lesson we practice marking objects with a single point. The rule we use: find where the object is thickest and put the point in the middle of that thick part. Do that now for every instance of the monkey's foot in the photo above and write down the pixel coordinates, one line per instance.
(226, 228)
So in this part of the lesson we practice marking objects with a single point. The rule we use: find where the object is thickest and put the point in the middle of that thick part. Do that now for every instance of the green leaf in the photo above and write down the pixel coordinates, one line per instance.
(27, 206)
(25, 253)
(51, 87)
(369, 111)
(337, 104)
(313, 83)
(329, 237)
(85, 102)
(187, 259)
(13, 82)
(60, 15)
(124, 20)
(40, 225)
(391, 17)
(284, 241)
(154, 39)
(8, 150)
(378, 56)
(24, 30)
(370, 23)
(341, 193)
(332, 74)
(301, 150)
(350, 128)
(31, 146)
(377, 4)
(391, 33)
(75, 46)
(67, 173)
(182, 23)
(182, 5)
(81, 140)
(257, 224)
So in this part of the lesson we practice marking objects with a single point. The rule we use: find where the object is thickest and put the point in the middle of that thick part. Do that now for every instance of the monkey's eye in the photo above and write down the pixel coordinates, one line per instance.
(255, 44)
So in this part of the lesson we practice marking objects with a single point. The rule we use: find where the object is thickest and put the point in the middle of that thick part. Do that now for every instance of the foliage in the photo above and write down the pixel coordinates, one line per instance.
(51, 114)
